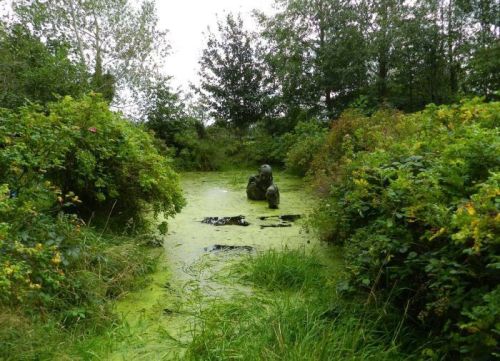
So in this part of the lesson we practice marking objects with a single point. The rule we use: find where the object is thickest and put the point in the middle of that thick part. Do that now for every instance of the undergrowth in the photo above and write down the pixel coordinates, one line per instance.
(112, 266)
(414, 201)
(289, 270)
(77, 181)
(294, 313)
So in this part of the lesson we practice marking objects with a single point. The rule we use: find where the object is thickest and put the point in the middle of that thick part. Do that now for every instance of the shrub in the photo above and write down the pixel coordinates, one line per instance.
(304, 142)
(57, 274)
(92, 156)
(57, 165)
(354, 132)
(29, 253)
(262, 147)
(48, 258)
(214, 149)
(415, 201)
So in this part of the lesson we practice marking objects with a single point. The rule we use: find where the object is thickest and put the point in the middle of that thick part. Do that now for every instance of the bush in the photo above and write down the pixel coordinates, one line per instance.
(73, 159)
(261, 147)
(305, 141)
(49, 260)
(92, 157)
(354, 132)
(415, 201)
(213, 149)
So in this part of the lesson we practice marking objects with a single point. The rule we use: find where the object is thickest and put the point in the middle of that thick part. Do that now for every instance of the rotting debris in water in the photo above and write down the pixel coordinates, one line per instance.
(225, 221)
(225, 247)
(283, 217)
(276, 225)
(284, 220)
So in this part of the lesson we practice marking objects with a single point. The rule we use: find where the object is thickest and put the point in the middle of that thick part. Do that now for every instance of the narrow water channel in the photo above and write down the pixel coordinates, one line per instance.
(159, 319)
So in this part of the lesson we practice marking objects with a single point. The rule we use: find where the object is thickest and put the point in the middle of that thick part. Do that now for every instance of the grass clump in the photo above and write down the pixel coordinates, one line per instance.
(288, 329)
(292, 269)
(293, 315)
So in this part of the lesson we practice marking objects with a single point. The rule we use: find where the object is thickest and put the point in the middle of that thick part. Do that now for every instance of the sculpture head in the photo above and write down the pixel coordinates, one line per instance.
(266, 173)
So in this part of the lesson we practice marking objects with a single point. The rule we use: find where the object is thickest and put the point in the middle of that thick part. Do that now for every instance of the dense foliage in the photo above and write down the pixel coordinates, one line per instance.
(317, 58)
(78, 182)
(305, 141)
(197, 146)
(182, 135)
(322, 55)
(118, 43)
(415, 200)
(83, 148)
(33, 72)
(63, 168)
(232, 77)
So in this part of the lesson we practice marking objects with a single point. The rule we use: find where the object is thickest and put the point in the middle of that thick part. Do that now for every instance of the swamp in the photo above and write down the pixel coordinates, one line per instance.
(292, 180)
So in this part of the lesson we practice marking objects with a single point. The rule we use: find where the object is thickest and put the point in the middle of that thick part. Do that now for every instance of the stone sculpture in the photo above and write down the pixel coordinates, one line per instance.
(262, 187)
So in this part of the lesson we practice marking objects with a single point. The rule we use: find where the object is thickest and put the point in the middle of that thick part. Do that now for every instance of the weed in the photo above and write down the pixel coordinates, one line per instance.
(108, 267)
(291, 269)
(293, 315)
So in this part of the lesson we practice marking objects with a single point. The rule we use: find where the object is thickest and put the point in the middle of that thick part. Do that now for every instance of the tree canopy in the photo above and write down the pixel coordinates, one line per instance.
(231, 75)
(118, 42)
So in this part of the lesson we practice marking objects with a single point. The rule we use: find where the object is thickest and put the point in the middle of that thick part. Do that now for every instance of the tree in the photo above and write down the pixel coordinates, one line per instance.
(119, 44)
(419, 72)
(231, 76)
(383, 19)
(483, 69)
(34, 72)
(324, 54)
(317, 51)
(167, 116)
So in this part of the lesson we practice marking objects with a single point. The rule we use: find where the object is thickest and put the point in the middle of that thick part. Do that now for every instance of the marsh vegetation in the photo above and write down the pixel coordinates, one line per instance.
(125, 231)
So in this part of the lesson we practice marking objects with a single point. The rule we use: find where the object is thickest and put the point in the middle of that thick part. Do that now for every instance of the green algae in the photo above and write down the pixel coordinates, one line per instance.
(158, 321)
(223, 194)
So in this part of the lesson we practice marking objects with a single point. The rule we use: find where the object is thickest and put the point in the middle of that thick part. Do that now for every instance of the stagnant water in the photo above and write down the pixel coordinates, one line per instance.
(160, 317)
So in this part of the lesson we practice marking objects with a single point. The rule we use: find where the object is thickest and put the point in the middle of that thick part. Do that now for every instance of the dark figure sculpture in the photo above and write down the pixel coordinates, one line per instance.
(261, 187)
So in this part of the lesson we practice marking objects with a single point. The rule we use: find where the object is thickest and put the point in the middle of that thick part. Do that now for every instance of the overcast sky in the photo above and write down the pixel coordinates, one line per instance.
(187, 20)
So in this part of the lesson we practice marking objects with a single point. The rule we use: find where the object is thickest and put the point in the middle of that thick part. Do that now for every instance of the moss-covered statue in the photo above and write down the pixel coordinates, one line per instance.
(261, 187)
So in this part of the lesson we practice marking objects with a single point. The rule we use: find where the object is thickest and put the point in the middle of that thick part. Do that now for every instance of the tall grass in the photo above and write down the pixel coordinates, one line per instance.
(109, 267)
(292, 269)
(294, 314)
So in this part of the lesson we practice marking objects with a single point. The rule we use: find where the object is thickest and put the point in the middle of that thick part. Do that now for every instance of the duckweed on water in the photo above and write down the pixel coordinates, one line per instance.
(277, 302)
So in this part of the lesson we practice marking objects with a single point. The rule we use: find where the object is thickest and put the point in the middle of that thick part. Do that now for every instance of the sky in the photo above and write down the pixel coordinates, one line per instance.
(187, 20)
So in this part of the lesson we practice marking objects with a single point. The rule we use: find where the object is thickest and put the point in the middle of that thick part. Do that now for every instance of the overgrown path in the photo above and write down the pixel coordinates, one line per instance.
(160, 318)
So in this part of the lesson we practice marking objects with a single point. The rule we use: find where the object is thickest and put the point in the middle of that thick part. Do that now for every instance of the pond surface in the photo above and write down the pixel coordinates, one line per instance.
(159, 318)
(223, 195)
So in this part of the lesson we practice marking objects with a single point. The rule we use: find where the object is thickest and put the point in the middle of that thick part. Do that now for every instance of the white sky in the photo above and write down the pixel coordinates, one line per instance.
(187, 20)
